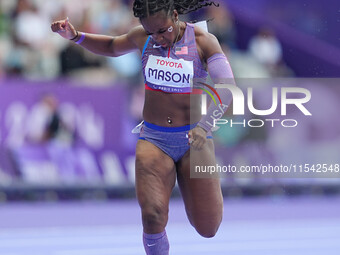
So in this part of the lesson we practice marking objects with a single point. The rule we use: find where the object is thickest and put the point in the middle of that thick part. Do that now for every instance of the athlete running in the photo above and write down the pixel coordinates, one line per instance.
(174, 53)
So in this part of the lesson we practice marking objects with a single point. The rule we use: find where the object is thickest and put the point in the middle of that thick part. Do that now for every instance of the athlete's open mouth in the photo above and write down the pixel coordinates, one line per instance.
(163, 44)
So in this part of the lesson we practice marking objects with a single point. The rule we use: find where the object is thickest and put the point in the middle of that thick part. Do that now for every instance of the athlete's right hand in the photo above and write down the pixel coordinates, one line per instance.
(64, 28)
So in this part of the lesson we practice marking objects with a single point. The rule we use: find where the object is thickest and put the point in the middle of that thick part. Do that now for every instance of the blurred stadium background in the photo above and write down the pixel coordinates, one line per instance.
(66, 117)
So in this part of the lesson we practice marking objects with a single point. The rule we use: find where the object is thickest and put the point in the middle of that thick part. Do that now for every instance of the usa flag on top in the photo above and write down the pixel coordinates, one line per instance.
(182, 50)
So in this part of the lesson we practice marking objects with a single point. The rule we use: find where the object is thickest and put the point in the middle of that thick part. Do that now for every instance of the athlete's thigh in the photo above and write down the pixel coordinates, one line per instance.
(202, 196)
(155, 175)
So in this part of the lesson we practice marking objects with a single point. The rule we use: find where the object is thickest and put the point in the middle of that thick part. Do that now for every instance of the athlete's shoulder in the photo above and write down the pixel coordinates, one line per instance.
(138, 36)
(207, 42)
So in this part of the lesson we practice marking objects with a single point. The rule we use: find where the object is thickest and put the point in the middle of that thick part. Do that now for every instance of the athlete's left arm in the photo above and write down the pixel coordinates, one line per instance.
(220, 72)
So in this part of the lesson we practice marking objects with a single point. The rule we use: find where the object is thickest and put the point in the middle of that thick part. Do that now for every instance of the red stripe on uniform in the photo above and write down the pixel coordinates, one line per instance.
(194, 91)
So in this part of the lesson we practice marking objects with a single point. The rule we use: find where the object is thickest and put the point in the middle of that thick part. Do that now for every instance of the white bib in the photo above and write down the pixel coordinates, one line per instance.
(169, 73)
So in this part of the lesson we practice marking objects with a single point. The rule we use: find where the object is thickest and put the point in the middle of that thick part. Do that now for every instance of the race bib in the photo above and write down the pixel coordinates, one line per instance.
(171, 75)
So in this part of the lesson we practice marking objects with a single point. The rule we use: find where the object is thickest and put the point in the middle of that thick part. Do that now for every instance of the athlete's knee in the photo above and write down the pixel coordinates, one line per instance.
(154, 216)
(208, 227)
(208, 231)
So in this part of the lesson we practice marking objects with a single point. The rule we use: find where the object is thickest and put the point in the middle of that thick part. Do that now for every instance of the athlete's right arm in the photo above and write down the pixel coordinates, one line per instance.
(113, 46)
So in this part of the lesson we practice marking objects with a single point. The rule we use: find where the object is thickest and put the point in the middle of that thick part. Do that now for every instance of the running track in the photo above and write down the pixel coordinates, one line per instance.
(280, 226)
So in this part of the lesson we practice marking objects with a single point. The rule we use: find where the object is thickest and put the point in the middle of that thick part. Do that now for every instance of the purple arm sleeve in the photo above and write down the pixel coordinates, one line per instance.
(220, 73)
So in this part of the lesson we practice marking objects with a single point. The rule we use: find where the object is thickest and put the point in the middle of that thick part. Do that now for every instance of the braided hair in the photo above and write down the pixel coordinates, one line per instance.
(145, 8)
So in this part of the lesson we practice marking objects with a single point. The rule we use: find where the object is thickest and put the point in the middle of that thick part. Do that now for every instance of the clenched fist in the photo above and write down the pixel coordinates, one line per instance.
(64, 28)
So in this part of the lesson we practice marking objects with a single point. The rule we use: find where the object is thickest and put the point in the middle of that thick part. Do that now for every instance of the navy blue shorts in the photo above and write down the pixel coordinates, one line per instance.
(172, 140)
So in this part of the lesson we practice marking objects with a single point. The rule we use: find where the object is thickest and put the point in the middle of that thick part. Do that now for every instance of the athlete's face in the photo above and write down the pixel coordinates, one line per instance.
(162, 28)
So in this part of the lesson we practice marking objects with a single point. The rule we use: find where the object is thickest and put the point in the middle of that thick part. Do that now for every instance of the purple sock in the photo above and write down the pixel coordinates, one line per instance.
(156, 244)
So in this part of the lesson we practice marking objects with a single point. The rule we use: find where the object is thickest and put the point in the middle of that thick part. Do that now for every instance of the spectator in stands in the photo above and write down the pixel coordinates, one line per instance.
(222, 26)
(266, 48)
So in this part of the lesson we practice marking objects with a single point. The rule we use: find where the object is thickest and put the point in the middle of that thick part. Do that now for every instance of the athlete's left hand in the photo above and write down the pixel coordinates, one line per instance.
(197, 137)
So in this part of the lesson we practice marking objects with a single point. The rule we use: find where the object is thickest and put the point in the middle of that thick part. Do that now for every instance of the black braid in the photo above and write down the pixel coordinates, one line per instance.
(145, 8)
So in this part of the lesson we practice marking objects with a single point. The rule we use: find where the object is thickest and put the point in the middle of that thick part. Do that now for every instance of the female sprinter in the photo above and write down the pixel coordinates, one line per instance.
(173, 53)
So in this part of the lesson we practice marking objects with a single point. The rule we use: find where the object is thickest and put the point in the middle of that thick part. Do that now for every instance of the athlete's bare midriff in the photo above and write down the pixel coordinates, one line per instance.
(181, 109)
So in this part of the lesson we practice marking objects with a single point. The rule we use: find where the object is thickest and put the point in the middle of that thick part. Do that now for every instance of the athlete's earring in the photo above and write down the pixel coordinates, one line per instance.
(170, 29)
